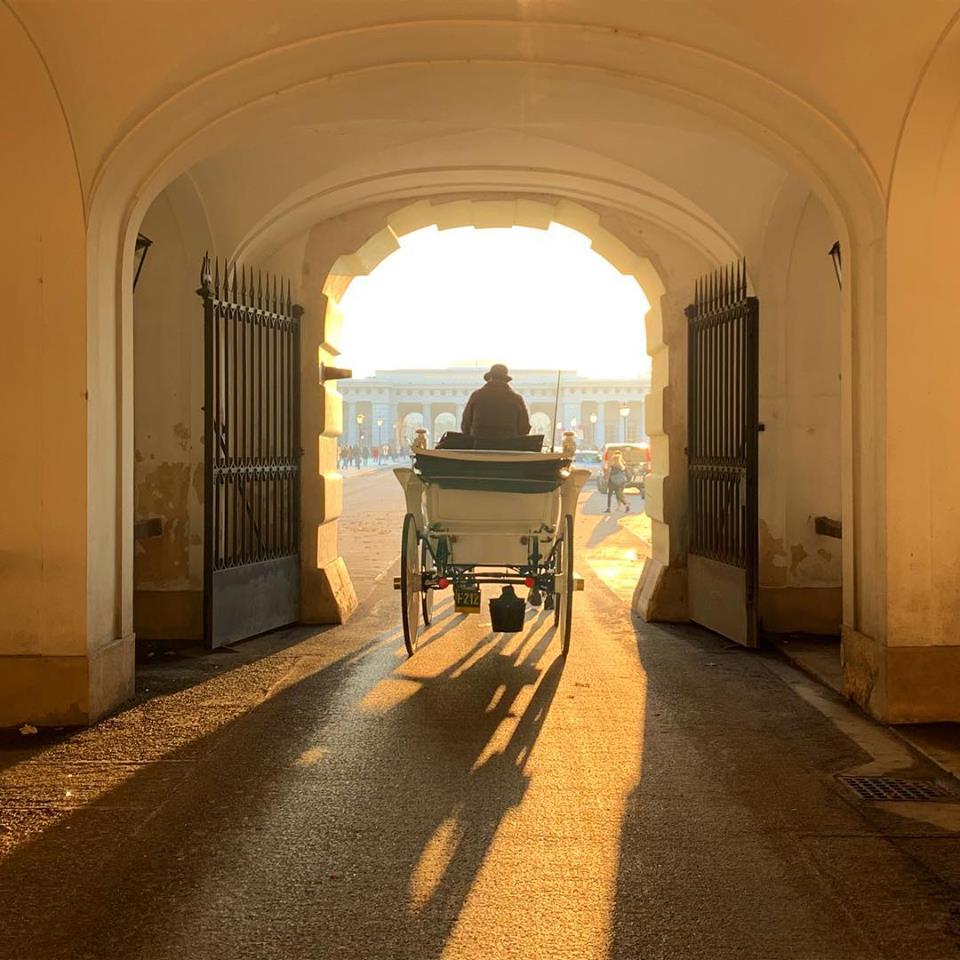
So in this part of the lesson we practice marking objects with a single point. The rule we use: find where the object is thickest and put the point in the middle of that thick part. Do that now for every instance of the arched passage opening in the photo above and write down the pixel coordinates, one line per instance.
(751, 113)
(464, 283)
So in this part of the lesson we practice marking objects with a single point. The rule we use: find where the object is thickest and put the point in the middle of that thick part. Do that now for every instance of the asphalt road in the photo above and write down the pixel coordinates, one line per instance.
(659, 794)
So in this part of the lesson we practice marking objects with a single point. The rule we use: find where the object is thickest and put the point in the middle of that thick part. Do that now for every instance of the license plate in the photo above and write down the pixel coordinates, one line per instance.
(466, 600)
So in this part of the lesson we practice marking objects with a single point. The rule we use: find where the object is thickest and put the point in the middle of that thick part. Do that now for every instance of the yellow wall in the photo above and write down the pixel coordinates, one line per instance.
(923, 366)
(168, 417)
(42, 364)
(800, 446)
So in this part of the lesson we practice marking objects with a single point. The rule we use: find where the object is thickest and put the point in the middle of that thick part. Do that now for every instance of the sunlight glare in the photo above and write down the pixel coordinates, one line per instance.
(540, 299)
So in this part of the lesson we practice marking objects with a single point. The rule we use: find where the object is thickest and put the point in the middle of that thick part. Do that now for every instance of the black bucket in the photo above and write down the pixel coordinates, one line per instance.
(506, 612)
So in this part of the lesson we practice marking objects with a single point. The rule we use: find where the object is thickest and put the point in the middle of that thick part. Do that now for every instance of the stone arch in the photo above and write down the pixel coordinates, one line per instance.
(540, 422)
(537, 214)
(444, 421)
(221, 107)
(409, 424)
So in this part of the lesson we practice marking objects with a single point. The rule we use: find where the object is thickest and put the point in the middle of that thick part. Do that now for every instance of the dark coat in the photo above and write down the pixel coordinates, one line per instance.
(495, 412)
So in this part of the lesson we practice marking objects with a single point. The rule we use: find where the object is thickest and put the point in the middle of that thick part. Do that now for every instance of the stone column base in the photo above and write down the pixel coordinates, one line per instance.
(901, 684)
(65, 691)
(661, 593)
(327, 594)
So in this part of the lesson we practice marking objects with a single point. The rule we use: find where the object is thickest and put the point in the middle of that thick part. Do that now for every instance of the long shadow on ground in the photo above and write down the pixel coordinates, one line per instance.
(303, 825)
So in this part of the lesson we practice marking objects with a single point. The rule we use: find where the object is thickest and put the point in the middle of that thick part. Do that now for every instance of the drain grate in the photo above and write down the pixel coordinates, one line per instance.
(894, 788)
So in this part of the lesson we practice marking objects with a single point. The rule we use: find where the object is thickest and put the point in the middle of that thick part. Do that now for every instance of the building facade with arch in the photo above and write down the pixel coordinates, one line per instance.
(376, 408)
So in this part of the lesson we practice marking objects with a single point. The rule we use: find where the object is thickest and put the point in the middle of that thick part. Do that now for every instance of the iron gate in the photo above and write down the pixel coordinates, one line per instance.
(251, 504)
(722, 379)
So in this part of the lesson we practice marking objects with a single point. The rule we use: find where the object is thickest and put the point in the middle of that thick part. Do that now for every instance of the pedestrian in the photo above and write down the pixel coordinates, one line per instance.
(616, 480)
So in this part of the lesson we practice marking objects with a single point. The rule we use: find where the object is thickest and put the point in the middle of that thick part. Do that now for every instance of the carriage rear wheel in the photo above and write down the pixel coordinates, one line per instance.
(410, 583)
(426, 604)
(563, 602)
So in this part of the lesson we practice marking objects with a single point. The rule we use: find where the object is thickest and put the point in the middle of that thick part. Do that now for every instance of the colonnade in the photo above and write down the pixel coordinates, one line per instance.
(387, 407)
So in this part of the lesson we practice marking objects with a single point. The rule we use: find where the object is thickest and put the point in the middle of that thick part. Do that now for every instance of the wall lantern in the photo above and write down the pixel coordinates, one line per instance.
(834, 252)
(624, 411)
(593, 418)
(140, 249)
(359, 418)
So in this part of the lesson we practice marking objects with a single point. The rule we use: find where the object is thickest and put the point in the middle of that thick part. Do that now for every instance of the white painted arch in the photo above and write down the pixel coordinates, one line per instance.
(267, 90)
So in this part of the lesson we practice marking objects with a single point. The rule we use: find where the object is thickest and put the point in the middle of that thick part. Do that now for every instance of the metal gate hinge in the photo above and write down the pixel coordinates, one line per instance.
(334, 373)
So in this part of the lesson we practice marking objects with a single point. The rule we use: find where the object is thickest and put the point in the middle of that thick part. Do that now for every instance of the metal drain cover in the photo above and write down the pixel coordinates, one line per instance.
(894, 788)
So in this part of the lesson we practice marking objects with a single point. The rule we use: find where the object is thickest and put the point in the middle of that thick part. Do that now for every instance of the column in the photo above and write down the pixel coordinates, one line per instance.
(351, 418)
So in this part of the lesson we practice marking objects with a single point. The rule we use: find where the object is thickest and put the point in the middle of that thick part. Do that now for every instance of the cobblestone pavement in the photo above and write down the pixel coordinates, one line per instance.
(314, 794)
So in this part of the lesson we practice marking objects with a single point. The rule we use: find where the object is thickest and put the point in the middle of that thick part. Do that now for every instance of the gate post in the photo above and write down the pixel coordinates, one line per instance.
(326, 591)
(661, 592)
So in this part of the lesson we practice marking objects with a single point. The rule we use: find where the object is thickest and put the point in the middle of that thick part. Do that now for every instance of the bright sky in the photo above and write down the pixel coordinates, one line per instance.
(520, 296)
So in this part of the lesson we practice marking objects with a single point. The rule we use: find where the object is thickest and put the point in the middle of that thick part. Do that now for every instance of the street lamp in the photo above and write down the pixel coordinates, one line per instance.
(379, 425)
(593, 428)
(360, 419)
(624, 413)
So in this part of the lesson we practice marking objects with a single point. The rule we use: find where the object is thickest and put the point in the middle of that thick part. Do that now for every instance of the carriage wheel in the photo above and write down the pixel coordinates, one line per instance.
(410, 571)
(563, 602)
(426, 601)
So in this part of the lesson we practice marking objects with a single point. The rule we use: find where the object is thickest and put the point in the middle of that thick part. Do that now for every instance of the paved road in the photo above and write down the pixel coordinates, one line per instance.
(661, 794)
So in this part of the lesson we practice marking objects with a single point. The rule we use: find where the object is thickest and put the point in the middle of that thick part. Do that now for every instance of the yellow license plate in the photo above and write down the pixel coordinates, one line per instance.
(466, 600)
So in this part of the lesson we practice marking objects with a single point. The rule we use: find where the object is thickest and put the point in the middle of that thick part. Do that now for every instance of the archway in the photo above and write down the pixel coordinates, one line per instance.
(540, 423)
(754, 112)
(409, 426)
(444, 422)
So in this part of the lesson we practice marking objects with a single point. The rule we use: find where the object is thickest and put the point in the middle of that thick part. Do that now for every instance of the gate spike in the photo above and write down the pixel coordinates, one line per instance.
(289, 299)
(273, 294)
(233, 296)
(216, 276)
(259, 288)
(205, 269)
(728, 283)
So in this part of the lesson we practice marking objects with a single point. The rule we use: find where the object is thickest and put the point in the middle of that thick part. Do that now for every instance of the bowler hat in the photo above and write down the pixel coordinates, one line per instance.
(498, 372)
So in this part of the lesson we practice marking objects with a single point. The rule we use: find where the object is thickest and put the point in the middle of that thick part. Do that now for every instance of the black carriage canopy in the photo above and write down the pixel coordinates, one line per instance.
(493, 470)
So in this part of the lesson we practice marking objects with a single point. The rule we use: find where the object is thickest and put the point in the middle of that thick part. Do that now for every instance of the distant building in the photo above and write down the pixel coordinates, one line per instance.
(389, 406)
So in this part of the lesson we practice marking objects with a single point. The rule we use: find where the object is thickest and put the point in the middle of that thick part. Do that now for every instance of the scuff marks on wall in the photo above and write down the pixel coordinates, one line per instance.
(182, 433)
(773, 558)
(163, 492)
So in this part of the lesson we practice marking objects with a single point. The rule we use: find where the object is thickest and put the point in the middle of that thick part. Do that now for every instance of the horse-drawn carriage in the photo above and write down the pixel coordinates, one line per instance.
(497, 517)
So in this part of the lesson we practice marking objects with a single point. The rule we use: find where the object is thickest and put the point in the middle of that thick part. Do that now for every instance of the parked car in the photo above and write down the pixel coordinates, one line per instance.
(589, 460)
(636, 456)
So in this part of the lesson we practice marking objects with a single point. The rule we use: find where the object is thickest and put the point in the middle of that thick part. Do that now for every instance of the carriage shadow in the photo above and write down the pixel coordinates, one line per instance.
(346, 815)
